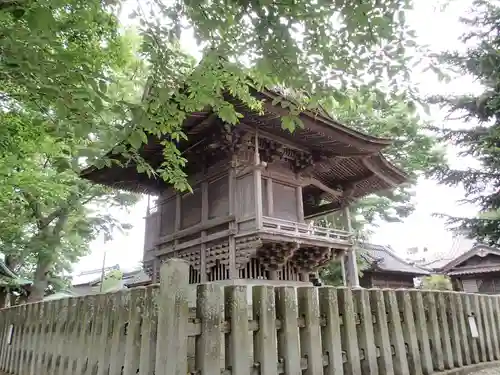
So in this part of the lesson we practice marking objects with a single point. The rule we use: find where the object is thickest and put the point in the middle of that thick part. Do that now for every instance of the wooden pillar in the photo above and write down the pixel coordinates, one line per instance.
(257, 176)
(300, 204)
(233, 272)
(352, 265)
(273, 275)
(342, 266)
(204, 220)
(178, 213)
(156, 271)
(269, 192)
(304, 276)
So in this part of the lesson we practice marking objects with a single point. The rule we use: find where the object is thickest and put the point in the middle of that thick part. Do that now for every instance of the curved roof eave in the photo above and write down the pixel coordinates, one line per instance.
(335, 124)
(380, 158)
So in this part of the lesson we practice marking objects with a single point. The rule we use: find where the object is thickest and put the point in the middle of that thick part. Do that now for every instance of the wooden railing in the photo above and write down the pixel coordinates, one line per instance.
(305, 230)
(265, 330)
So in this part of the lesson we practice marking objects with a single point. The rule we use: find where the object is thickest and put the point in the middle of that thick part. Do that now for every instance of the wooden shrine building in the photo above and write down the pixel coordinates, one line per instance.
(475, 271)
(382, 268)
(255, 189)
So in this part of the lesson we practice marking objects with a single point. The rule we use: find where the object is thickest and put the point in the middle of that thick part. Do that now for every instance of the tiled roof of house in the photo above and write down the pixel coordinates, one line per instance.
(383, 259)
(139, 277)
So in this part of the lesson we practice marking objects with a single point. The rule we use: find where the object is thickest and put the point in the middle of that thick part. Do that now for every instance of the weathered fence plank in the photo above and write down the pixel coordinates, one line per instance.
(20, 339)
(456, 348)
(365, 333)
(288, 334)
(37, 340)
(348, 332)
(330, 333)
(238, 344)
(476, 309)
(400, 360)
(106, 335)
(16, 323)
(409, 332)
(486, 325)
(148, 332)
(310, 334)
(444, 331)
(173, 310)
(434, 331)
(382, 336)
(265, 338)
(61, 316)
(209, 344)
(458, 303)
(493, 326)
(87, 365)
(133, 338)
(470, 340)
(7, 330)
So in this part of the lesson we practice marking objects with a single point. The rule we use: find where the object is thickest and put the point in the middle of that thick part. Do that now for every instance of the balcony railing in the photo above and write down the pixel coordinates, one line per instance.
(306, 230)
(270, 224)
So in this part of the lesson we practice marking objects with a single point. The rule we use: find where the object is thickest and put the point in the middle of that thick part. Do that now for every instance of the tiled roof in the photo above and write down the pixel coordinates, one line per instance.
(138, 278)
(383, 259)
(481, 250)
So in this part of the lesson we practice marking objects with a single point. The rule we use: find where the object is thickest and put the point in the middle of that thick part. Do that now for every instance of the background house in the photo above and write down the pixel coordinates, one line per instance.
(475, 271)
(89, 282)
(382, 268)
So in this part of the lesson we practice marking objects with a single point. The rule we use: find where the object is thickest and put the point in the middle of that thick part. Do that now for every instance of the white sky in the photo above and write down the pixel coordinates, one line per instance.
(440, 29)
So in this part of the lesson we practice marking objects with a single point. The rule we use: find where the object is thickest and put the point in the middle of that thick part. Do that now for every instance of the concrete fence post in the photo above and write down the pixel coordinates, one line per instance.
(173, 313)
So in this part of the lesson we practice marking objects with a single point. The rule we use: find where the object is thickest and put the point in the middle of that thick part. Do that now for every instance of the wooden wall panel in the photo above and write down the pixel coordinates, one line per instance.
(245, 196)
(285, 201)
(191, 208)
(218, 198)
(167, 222)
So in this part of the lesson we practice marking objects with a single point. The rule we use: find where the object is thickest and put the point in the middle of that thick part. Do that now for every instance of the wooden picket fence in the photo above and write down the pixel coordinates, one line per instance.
(277, 330)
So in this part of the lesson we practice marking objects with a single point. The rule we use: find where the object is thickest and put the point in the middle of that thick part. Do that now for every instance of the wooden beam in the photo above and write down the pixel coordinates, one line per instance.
(273, 137)
(324, 209)
(322, 186)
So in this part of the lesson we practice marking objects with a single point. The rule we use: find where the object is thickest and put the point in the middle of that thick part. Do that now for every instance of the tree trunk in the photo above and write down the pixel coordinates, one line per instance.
(40, 280)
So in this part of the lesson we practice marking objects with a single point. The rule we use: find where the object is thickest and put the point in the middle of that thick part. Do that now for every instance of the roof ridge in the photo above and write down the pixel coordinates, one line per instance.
(392, 254)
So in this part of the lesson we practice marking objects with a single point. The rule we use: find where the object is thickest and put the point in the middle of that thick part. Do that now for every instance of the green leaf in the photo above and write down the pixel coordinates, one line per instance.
(137, 137)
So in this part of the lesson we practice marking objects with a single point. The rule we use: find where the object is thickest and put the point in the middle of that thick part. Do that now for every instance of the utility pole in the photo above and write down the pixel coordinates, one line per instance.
(103, 268)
